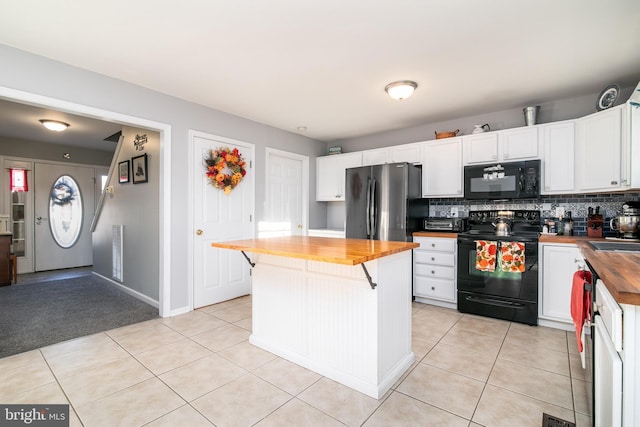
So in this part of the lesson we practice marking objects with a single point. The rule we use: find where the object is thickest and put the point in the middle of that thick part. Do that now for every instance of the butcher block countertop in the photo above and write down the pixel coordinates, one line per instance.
(619, 271)
(324, 249)
(445, 234)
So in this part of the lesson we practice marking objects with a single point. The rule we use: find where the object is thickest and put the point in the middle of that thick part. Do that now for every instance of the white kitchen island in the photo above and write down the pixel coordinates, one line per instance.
(314, 306)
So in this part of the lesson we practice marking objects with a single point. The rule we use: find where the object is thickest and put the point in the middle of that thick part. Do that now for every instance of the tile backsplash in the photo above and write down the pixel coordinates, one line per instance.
(578, 204)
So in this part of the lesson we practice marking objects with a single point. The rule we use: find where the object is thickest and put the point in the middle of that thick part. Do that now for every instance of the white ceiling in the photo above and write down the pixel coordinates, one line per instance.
(324, 64)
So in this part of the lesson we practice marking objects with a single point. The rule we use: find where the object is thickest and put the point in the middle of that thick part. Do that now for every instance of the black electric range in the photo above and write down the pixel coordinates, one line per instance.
(498, 274)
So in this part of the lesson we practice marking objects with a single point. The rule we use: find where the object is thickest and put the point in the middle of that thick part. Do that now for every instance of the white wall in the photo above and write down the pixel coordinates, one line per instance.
(34, 74)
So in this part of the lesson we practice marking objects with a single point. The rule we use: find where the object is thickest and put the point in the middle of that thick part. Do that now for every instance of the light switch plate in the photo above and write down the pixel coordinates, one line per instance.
(559, 211)
(546, 206)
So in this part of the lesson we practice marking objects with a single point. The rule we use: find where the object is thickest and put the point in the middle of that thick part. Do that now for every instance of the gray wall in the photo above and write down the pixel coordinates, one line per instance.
(10, 147)
(132, 205)
(38, 75)
(551, 111)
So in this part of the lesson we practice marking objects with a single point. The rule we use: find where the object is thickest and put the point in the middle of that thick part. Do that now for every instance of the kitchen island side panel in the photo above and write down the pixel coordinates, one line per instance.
(326, 317)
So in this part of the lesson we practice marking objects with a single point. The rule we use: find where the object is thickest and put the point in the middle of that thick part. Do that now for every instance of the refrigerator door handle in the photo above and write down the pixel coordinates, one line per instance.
(372, 214)
(368, 213)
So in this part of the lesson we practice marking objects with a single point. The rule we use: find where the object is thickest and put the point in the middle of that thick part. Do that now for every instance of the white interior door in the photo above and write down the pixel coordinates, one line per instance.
(64, 203)
(220, 274)
(285, 198)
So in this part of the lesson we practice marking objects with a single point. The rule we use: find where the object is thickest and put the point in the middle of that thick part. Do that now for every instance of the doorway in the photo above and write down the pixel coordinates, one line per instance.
(286, 201)
(217, 215)
(164, 232)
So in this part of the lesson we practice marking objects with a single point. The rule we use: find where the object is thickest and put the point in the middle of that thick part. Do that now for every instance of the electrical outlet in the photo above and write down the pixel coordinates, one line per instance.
(559, 211)
(454, 212)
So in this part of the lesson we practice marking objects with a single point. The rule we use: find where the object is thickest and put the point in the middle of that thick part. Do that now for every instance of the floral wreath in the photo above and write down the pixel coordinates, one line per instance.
(225, 168)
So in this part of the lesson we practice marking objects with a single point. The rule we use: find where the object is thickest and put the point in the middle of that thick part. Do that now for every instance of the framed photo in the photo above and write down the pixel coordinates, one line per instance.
(123, 171)
(139, 169)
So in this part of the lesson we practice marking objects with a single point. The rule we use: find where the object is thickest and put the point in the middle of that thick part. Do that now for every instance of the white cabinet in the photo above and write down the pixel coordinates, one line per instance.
(409, 153)
(559, 263)
(558, 160)
(480, 148)
(502, 146)
(377, 156)
(598, 151)
(330, 175)
(519, 143)
(442, 171)
(434, 271)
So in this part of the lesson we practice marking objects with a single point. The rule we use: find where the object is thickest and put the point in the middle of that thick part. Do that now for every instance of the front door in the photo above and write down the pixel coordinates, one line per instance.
(220, 274)
(64, 203)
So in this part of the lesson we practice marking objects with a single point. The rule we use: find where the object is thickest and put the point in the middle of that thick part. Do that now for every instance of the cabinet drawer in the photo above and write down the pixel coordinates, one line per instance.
(434, 288)
(435, 271)
(434, 258)
(437, 244)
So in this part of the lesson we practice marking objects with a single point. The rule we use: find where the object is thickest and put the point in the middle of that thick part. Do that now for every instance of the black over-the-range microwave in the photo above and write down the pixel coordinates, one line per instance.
(513, 180)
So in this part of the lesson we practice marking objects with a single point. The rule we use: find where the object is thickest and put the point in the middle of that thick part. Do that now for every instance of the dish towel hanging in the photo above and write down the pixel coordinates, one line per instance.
(486, 255)
(512, 257)
(580, 306)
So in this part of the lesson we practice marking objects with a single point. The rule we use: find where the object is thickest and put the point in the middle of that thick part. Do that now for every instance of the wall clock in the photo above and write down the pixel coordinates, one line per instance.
(607, 97)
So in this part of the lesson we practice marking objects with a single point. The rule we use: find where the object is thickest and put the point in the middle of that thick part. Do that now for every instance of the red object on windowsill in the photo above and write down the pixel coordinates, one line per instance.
(18, 179)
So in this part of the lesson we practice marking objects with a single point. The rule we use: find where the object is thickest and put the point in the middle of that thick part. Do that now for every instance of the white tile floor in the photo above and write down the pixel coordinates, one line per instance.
(198, 369)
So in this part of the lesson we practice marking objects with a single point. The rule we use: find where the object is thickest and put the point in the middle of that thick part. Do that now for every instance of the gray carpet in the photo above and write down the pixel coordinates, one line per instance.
(41, 314)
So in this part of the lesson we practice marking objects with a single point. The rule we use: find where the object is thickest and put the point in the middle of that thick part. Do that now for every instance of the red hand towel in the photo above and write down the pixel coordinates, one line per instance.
(580, 305)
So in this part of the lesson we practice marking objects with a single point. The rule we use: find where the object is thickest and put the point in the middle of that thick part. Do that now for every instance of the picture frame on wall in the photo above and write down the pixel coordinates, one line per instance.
(139, 169)
(123, 171)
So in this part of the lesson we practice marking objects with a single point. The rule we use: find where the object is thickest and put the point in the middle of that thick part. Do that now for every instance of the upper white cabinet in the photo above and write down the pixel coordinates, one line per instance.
(442, 168)
(480, 148)
(376, 156)
(558, 142)
(518, 144)
(598, 151)
(330, 175)
(409, 153)
(502, 146)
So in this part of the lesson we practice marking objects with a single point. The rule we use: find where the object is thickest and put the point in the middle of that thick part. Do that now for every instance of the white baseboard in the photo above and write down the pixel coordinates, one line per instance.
(130, 291)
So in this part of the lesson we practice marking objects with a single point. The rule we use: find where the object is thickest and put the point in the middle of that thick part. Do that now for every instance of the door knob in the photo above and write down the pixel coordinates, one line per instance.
(299, 225)
(199, 232)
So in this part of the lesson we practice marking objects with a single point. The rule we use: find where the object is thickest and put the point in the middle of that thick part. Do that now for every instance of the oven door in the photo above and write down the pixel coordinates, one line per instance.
(500, 294)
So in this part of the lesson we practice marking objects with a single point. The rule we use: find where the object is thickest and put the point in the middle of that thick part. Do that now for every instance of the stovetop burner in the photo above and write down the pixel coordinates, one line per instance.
(525, 224)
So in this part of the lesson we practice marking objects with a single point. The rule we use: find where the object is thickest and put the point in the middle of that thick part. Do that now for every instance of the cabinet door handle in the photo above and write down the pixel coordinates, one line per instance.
(614, 182)
(433, 272)
(433, 258)
(433, 288)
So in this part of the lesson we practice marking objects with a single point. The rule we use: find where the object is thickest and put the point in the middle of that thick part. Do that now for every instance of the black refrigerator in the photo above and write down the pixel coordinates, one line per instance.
(384, 202)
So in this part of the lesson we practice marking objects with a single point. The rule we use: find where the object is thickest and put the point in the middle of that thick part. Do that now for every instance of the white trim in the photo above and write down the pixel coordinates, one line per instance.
(305, 180)
(129, 291)
(165, 171)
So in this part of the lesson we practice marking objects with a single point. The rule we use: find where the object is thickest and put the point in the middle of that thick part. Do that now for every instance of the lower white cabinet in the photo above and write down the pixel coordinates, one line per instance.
(559, 262)
(434, 271)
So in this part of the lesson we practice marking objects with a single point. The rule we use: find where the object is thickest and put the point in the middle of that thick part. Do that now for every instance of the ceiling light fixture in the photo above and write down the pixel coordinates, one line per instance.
(54, 125)
(401, 89)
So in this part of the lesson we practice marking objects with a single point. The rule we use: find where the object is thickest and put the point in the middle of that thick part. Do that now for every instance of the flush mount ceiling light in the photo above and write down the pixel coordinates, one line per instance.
(401, 89)
(54, 125)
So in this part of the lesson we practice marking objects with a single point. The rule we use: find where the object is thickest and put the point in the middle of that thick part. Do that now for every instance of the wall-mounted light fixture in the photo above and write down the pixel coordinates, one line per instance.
(54, 125)
(401, 89)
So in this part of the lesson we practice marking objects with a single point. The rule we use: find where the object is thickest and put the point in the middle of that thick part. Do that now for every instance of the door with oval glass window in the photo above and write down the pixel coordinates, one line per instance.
(64, 202)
